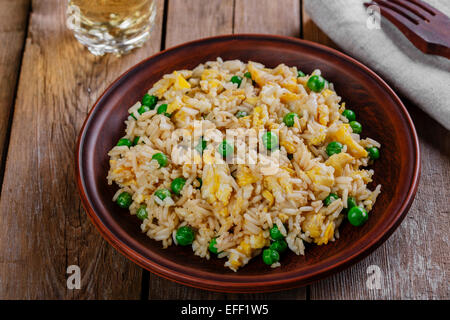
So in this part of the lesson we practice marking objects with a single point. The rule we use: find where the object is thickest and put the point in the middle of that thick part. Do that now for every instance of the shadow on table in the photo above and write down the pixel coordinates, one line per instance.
(429, 130)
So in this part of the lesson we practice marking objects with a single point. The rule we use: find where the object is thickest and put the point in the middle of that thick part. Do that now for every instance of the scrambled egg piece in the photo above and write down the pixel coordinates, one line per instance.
(323, 114)
(364, 175)
(280, 184)
(289, 146)
(179, 117)
(326, 93)
(234, 261)
(252, 100)
(268, 196)
(164, 84)
(244, 176)
(180, 82)
(290, 84)
(245, 248)
(312, 223)
(215, 185)
(327, 235)
(260, 116)
(257, 241)
(289, 97)
(320, 176)
(338, 162)
(224, 212)
(343, 135)
(318, 138)
(174, 106)
(260, 76)
(209, 74)
(214, 83)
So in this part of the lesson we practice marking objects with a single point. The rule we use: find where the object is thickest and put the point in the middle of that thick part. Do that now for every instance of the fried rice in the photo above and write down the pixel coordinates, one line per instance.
(238, 199)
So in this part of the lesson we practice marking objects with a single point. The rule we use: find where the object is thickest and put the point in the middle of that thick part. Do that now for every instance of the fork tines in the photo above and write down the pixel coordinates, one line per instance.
(426, 27)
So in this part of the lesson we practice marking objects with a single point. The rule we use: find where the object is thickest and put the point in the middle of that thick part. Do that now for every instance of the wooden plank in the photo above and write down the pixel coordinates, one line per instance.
(312, 32)
(13, 23)
(268, 16)
(213, 18)
(189, 20)
(43, 228)
(414, 261)
(164, 289)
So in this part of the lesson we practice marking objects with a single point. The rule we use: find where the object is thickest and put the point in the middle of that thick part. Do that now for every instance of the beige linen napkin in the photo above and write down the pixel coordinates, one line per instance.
(423, 78)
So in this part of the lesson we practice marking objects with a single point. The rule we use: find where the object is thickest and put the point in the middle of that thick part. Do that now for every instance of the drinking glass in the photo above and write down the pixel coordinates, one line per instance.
(111, 26)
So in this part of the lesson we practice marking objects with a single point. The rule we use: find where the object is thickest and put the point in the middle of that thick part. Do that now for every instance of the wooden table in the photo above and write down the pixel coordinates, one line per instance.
(48, 84)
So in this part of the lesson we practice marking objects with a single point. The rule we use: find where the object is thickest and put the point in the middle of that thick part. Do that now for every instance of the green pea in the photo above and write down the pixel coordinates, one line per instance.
(316, 83)
(279, 245)
(334, 147)
(124, 200)
(351, 202)
(270, 140)
(331, 197)
(212, 245)
(349, 114)
(275, 233)
(161, 158)
(185, 235)
(356, 126)
(226, 149)
(357, 216)
(289, 119)
(374, 153)
(270, 256)
(248, 75)
(124, 142)
(201, 146)
(142, 212)
(237, 80)
(300, 74)
(200, 182)
(162, 110)
(136, 140)
(149, 101)
(142, 109)
(241, 114)
(177, 185)
(162, 193)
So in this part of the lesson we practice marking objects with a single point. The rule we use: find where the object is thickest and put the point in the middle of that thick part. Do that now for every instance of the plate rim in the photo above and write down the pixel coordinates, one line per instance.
(250, 287)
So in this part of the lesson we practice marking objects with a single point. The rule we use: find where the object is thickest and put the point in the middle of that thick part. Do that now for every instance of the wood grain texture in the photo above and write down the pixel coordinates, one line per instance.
(190, 20)
(215, 18)
(164, 289)
(43, 228)
(13, 23)
(310, 31)
(414, 262)
(59, 82)
(268, 16)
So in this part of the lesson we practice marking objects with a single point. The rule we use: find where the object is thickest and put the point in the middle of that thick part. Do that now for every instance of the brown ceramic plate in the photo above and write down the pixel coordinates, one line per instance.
(378, 108)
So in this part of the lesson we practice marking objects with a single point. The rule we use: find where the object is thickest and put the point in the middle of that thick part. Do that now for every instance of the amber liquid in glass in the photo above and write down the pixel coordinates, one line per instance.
(111, 26)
